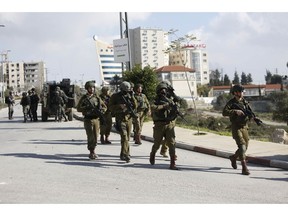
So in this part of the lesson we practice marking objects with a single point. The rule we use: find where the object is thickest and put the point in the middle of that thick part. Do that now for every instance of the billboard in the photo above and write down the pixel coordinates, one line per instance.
(121, 50)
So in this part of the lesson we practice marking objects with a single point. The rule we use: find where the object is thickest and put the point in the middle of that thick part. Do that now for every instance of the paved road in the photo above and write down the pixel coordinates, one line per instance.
(46, 162)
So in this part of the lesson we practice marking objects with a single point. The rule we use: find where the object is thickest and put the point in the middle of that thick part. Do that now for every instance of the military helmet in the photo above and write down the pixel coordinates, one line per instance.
(161, 86)
(125, 86)
(166, 82)
(89, 84)
(57, 88)
(237, 88)
(24, 94)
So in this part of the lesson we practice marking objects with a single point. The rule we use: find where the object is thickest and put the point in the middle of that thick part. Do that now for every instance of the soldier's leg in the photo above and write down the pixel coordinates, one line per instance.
(124, 154)
(158, 136)
(170, 141)
(102, 132)
(136, 126)
(90, 129)
(108, 127)
(164, 148)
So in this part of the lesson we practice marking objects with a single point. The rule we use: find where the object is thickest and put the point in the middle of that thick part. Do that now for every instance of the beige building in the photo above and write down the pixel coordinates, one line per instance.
(147, 47)
(181, 78)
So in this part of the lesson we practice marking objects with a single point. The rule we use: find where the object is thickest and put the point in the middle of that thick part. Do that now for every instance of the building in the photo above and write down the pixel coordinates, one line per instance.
(181, 78)
(193, 56)
(21, 76)
(147, 47)
(107, 67)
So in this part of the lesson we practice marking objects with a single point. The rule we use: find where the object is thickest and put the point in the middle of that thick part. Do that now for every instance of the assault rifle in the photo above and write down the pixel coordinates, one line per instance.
(175, 108)
(97, 112)
(248, 112)
(129, 105)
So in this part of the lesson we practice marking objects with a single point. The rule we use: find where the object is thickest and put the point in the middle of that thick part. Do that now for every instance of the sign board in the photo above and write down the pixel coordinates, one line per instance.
(121, 50)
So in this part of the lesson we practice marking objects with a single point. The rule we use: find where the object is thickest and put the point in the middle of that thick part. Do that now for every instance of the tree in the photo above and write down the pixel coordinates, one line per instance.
(215, 79)
(226, 80)
(249, 78)
(243, 79)
(203, 90)
(236, 79)
(268, 77)
(146, 77)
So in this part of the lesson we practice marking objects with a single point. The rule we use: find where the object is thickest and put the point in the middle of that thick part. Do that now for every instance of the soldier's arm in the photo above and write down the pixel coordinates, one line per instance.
(114, 106)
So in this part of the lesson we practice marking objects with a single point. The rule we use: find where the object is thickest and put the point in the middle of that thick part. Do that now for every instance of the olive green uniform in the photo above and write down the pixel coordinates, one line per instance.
(105, 128)
(143, 107)
(164, 127)
(123, 119)
(239, 125)
(91, 119)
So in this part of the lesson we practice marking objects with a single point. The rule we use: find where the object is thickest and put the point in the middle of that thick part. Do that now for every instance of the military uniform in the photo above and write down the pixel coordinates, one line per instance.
(25, 102)
(88, 104)
(10, 103)
(234, 109)
(143, 107)
(164, 124)
(34, 98)
(123, 116)
(106, 126)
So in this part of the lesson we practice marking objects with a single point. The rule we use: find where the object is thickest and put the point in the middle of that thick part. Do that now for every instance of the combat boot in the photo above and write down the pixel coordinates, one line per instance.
(245, 170)
(107, 141)
(152, 158)
(92, 154)
(102, 139)
(233, 159)
(138, 139)
(172, 163)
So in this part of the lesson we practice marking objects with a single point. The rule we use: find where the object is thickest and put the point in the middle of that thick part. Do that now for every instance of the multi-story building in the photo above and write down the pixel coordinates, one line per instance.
(21, 76)
(107, 67)
(193, 56)
(147, 47)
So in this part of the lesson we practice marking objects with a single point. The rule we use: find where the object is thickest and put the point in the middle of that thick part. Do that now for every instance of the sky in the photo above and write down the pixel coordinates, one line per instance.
(247, 40)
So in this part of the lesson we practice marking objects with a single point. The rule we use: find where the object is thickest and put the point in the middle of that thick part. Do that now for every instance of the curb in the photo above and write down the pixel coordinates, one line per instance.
(213, 152)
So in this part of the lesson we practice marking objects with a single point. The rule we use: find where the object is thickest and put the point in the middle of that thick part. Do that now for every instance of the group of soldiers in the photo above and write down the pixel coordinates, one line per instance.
(29, 102)
(59, 100)
(130, 106)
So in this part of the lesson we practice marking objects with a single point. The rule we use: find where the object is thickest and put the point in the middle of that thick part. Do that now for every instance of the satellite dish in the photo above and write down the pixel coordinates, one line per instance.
(95, 37)
(287, 64)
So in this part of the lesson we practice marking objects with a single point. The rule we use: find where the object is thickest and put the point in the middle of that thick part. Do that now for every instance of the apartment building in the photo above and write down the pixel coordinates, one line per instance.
(193, 56)
(21, 76)
(107, 67)
(147, 47)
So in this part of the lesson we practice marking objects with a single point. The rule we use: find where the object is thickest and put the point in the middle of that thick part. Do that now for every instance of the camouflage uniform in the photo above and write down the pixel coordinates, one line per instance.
(123, 116)
(10, 102)
(164, 124)
(25, 102)
(34, 98)
(239, 121)
(86, 105)
(105, 128)
(143, 107)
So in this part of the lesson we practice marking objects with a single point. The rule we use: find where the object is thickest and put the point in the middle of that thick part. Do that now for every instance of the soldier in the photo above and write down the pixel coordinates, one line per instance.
(92, 108)
(25, 102)
(234, 109)
(106, 126)
(123, 104)
(164, 124)
(34, 98)
(65, 100)
(58, 106)
(10, 102)
(143, 108)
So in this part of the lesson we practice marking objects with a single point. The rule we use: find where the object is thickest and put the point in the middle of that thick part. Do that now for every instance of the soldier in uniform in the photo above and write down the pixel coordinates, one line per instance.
(143, 108)
(123, 105)
(34, 98)
(164, 124)
(106, 126)
(234, 109)
(25, 102)
(92, 108)
(10, 102)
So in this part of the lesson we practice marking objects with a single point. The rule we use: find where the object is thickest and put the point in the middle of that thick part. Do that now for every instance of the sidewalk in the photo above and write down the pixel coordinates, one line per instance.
(264, 153)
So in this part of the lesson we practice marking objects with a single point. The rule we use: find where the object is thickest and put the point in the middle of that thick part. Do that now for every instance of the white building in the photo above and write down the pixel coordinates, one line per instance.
(193, 56)
(147, 47)
(181, 78)
(107, 67)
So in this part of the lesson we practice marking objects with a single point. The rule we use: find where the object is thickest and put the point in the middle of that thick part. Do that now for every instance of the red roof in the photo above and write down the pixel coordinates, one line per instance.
(174, 68)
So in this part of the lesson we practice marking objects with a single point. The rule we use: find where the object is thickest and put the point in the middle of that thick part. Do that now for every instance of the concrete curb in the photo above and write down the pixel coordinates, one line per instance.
(213, 152)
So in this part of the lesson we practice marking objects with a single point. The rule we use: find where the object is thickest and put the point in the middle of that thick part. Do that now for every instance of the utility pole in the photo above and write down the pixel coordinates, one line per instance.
(124, 33)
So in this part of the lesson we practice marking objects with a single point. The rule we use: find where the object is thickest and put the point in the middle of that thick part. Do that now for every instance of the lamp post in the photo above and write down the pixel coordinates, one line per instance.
(4, 60)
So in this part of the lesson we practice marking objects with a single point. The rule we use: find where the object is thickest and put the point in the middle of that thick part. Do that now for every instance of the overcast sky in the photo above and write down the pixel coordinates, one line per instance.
(242, 41)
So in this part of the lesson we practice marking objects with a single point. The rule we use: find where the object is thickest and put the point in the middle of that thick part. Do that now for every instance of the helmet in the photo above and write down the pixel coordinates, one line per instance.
(24, 94)
(166, 82)
(161, 86)
(89, 84)
(57, 88)
(125, 86)
(105, 89)
(237, 88)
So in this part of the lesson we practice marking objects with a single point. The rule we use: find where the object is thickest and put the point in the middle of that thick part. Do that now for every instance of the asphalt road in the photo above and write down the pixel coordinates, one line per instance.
(47, 163)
